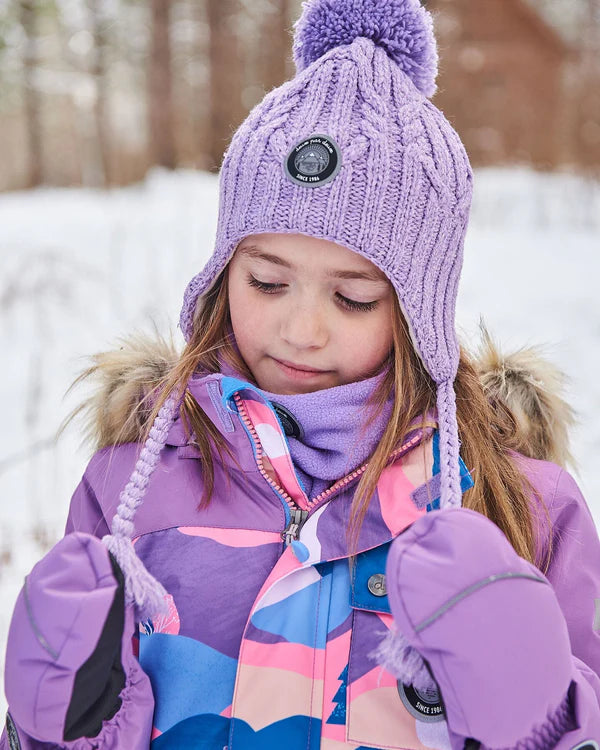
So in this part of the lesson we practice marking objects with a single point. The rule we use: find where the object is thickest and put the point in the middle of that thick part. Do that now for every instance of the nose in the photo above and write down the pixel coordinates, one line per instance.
(304, 326)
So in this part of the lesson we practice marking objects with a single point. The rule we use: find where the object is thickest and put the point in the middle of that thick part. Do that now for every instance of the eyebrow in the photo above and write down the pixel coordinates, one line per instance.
(254, 252)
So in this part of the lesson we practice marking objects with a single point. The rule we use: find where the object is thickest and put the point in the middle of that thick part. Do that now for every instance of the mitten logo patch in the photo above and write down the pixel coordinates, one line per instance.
(314, 161)
(424, 705)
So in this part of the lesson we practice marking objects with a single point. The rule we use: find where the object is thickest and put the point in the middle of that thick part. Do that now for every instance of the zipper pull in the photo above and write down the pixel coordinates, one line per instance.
(292, 530)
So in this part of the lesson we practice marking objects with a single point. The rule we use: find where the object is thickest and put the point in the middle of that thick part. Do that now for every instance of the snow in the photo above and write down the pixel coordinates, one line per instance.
(566, 17)
(80, 267)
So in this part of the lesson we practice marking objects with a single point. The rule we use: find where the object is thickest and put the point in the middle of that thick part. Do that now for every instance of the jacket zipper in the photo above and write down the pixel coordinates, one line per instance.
(292, 530)
(259, 452)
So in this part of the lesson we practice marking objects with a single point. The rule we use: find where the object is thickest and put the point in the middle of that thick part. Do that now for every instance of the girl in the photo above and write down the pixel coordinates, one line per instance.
(290, 533)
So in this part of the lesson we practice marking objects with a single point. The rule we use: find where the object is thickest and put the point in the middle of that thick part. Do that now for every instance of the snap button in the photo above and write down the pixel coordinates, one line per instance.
(376, 584)
(290, 425)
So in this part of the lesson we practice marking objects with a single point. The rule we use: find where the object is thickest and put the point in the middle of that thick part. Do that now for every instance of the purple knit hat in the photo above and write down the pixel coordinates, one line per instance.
(350, 150)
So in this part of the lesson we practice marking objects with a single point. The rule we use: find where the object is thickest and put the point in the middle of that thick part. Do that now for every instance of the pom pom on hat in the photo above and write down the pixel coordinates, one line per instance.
(404, 28)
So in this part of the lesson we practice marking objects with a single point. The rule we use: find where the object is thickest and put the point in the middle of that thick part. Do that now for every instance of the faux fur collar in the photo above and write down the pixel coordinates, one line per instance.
(524, 384)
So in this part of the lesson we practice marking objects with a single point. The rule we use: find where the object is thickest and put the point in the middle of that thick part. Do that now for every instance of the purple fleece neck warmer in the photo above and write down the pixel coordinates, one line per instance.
(331, 421)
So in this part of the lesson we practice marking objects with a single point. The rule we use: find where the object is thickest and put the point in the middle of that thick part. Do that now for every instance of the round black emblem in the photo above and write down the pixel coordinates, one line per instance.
(314, 161)
(424, 705)
(290, 426)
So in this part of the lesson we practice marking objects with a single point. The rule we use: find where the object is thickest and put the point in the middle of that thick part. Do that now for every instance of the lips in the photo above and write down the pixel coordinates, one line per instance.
(300, 368)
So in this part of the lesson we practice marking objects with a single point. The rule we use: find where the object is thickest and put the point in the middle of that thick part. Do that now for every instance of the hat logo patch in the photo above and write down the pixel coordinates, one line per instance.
(314, 161)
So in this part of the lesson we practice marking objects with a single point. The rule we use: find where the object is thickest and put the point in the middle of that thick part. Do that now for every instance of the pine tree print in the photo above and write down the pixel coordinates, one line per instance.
(338, 715)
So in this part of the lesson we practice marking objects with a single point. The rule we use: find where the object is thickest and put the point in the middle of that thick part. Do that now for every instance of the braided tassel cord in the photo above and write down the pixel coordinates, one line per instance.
(451, 493)
(141, 588)
(394, 652)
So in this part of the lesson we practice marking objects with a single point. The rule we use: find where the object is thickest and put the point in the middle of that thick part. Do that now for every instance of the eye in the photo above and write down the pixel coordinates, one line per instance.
(348, 304)
(351, 304)
(263, 286)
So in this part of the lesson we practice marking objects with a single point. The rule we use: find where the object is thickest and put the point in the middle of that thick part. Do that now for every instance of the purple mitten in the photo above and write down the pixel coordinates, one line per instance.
(69, 662)
(488, 625)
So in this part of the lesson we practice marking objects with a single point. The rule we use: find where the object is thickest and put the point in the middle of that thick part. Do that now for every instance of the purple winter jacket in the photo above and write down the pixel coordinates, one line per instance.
(269, 637)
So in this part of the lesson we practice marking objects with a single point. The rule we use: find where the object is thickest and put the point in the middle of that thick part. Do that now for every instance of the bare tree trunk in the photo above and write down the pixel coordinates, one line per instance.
(27, 12)
(588, 90)
(160, 95)
(226, 82)
(98, 71)
(276, 44)
(199, 107)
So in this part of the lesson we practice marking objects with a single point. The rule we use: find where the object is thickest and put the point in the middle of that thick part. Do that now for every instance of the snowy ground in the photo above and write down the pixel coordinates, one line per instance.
(78, 268)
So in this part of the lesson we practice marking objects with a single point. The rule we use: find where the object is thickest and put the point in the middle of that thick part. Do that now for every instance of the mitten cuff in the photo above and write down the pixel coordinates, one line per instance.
(549, 733)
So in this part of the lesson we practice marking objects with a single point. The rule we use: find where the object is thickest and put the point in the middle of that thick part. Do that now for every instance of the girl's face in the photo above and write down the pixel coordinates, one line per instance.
(307, 313)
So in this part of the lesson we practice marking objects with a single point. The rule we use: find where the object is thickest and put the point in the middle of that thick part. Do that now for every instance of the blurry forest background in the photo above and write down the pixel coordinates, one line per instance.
(95, 92)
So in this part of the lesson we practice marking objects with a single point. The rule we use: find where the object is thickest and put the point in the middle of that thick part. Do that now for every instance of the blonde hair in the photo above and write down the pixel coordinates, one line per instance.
(500, 492)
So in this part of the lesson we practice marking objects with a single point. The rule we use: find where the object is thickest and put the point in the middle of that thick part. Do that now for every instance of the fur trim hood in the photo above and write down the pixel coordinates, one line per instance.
(528, 390)
(524, 388)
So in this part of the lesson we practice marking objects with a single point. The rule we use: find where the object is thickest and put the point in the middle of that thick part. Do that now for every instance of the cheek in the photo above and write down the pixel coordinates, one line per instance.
(247, 319)
(371, 338)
